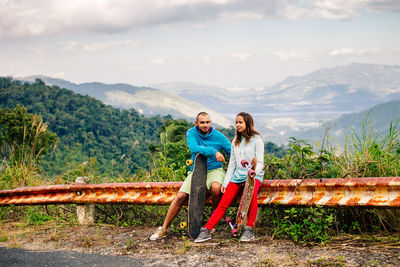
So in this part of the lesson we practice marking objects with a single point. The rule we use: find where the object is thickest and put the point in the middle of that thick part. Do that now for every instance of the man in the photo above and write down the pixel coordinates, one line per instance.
(209, 142)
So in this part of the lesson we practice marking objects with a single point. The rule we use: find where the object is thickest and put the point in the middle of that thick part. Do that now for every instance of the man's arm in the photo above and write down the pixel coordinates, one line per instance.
(196, 148)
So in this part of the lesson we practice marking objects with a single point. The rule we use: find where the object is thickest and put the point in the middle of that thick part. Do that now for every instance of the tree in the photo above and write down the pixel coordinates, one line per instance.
(23, 135)
(170, 156)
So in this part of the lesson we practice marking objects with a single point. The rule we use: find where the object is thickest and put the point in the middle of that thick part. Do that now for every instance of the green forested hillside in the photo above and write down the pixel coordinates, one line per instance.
(87, 128)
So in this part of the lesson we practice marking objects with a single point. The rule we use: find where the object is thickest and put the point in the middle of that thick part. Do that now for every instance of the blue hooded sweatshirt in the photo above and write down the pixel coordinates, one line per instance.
(207, 145)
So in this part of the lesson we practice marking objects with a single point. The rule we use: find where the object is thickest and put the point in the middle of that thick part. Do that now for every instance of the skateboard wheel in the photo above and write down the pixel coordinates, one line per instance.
(189, 162)
(251, 173)
(244, 163)
(183, 224)
(235, 232)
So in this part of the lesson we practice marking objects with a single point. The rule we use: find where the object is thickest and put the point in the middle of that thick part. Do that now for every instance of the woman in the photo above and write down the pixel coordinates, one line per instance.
(247, 145)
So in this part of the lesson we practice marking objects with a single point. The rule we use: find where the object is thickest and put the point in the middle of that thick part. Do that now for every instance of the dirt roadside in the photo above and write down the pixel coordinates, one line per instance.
(178, 249)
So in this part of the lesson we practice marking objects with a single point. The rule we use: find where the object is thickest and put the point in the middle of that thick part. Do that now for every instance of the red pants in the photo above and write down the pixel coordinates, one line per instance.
(230, 193)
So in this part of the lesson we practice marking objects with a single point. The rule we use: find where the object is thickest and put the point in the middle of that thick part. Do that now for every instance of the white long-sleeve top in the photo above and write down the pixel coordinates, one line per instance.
(236, 173)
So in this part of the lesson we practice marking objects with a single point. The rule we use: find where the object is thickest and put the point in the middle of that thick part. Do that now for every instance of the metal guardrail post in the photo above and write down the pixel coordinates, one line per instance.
(85, 212)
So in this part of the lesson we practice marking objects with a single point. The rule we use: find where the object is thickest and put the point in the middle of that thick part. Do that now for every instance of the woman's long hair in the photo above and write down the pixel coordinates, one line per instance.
(249, 132)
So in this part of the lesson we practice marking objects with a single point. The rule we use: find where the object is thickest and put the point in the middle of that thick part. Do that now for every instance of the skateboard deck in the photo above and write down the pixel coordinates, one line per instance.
(247, 195)
(197, 195)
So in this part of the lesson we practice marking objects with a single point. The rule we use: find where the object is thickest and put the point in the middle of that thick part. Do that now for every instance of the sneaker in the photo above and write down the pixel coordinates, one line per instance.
(204, 235)
(248, 234)
(159, 234)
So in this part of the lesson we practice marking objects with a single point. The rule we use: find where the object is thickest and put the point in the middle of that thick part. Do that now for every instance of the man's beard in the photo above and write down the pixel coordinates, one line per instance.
(204, 132)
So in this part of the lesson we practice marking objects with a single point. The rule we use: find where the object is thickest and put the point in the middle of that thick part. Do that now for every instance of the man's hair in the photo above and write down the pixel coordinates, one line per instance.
(203, 113)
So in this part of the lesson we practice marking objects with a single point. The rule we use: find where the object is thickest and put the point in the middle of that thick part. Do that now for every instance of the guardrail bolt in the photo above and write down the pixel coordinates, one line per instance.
(85, 212)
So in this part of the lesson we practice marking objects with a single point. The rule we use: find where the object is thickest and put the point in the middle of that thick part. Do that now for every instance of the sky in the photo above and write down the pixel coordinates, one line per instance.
(226, 43)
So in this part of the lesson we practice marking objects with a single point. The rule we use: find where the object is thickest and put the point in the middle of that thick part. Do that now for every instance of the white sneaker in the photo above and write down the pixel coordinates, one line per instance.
(159, 234)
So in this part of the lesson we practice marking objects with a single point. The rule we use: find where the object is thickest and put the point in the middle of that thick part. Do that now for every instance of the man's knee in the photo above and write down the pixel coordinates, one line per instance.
(215, 189)
(180, 198)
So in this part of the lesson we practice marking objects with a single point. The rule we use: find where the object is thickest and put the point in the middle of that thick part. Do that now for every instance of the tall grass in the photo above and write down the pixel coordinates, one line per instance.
(368, 154)
(21, 168)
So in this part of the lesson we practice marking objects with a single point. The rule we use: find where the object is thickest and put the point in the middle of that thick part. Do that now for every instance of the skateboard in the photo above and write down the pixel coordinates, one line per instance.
(197, 195)
(247, 193)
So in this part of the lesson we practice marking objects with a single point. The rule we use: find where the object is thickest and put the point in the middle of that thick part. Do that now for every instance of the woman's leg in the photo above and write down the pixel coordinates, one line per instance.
(251, 219)
(226, 200)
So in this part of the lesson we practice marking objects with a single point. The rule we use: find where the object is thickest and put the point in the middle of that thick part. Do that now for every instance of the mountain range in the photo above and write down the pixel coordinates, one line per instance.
(374, 121)
(298, 104)
(293, 107)
(146, 100)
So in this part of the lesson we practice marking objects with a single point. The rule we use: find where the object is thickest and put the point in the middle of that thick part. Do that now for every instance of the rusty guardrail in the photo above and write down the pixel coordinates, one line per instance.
(382, 192)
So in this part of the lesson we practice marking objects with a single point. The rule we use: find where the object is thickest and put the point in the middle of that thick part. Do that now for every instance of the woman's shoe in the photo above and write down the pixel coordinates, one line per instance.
(248, 234)
(204, 235)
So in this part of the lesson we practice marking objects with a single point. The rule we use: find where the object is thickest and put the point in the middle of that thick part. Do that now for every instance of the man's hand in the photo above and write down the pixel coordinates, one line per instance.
(220, 157)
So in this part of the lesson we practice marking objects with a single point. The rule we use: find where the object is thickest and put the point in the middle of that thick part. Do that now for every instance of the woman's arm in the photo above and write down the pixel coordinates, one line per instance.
(259, 155)
(231, 167)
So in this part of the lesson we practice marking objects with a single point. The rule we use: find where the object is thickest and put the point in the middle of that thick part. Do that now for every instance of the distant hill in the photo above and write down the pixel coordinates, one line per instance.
(217, 98)
(294, 105)
(299, 103)
(87, 128)
(148, 101)
(380, 116)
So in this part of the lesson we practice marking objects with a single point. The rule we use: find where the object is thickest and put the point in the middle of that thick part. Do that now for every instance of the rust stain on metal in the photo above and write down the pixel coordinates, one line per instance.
(375, 191)
(382, 192)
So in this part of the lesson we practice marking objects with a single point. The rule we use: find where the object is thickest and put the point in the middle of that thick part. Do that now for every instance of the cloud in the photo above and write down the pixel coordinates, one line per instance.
(40, 53)
(291, 123)
(69, 46)
(157, 61)
(21, 18)
(383, 5)
(342, 52)
(136, 68)
(104, 45)
(36, 51)
(289, 55)
(349, 51)
(239, 57)
(207, 59)
(344, 9)
(336, 9)
(60, 74)
(98, 46)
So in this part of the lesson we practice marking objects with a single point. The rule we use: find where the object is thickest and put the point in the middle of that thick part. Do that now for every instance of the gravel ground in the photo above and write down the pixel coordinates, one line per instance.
(178, 249)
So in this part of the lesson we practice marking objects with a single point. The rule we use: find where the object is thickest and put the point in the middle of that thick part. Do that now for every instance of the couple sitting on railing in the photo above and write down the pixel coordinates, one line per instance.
(209, 142)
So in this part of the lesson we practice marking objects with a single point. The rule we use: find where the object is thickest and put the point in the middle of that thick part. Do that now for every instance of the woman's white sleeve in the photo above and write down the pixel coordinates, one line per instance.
(259, 155)
(231, 167)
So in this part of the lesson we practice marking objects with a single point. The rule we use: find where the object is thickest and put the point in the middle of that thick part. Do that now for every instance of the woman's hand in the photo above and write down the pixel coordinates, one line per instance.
(223, 190)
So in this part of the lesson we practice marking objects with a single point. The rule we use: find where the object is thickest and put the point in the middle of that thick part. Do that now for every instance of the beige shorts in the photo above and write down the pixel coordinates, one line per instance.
(213, 176)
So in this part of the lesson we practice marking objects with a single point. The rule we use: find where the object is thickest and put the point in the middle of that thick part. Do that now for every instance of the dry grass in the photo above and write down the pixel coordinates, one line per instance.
(178, 249)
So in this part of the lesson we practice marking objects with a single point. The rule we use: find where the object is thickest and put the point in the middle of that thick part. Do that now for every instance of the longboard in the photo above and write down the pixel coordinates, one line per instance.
(197, 195)
(247, 195)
